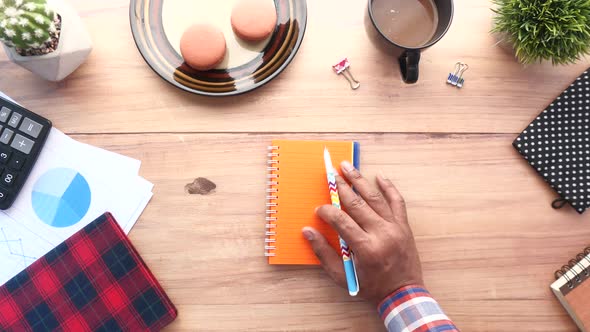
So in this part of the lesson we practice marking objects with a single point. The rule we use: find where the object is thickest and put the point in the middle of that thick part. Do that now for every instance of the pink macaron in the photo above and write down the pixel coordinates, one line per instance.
(254, 20)
(203, 46)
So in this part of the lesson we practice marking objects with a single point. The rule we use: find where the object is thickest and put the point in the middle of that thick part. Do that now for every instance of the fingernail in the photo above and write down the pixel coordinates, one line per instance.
(382, 175)
(347, 167)
(316, 209)
(308, 234)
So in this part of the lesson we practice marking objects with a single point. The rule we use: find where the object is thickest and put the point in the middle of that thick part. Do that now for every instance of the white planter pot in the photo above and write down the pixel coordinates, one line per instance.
(504, 44)
(74, 47)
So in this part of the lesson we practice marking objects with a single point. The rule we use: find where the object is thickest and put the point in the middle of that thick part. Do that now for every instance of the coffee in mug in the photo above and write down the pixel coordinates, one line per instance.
(411, 26)
(408, 23)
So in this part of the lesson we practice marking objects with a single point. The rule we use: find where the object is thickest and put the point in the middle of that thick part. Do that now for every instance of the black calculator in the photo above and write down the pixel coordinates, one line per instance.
(22, 136)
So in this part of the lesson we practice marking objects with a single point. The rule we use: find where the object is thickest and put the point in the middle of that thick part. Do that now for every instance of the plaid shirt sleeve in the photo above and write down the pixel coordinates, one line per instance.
(412, 308)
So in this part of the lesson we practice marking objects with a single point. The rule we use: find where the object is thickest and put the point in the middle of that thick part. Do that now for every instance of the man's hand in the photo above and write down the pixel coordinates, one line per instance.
(375, 226)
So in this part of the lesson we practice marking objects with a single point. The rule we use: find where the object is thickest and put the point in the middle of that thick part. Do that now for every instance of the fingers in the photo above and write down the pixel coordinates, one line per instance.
(367, 191)
(329, 258)
(394, 198)
(348, 229)
(355, 205)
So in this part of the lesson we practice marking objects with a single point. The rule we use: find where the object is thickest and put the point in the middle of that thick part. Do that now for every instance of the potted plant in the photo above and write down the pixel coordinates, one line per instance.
(46, 37)
(538, 30)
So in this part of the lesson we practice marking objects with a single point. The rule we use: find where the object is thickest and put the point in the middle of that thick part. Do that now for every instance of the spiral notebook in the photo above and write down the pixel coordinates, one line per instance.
(572, 288)
(297, 185)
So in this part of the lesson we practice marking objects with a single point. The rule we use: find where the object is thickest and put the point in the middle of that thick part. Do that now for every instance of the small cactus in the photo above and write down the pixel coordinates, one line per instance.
(25, 24)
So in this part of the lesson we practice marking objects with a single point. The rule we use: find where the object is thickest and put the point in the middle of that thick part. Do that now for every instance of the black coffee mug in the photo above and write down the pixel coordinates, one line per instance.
(409, 57)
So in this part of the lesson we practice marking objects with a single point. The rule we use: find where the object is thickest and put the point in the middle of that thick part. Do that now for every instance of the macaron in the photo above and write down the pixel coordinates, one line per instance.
(254, 20)
(203, 46)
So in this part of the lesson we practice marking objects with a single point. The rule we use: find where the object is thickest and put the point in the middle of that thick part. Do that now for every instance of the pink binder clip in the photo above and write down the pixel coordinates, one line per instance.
(343, 67)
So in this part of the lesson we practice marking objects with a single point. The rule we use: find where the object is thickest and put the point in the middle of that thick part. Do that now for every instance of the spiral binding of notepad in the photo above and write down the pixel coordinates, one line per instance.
(272, 192)
(579, 272)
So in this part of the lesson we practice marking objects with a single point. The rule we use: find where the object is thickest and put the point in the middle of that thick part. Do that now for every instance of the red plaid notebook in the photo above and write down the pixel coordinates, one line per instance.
(93, 281)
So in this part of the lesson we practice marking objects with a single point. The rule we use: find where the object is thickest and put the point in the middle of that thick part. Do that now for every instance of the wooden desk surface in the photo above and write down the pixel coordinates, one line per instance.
(488, 238)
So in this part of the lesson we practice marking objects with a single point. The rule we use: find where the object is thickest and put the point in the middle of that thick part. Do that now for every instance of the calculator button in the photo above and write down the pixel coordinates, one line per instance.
(8, 178)
(3, 194)
(31, 127)
(15, 120)
(22, 144)
(17, 161)
(6, 136)
(4, 114)
(4, 155)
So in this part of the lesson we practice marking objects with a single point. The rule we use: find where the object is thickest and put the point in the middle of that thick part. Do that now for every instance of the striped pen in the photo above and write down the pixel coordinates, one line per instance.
(347, 255)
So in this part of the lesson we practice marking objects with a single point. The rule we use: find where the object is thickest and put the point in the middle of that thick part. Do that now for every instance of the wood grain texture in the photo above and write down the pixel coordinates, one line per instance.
(118, 90)
(488, 238)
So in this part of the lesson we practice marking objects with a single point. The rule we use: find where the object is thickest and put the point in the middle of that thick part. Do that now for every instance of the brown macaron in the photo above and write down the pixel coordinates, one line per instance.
(254, 20)
(203, 46)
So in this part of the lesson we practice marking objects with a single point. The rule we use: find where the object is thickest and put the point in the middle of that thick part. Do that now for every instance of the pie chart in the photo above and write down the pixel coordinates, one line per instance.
(61, 197)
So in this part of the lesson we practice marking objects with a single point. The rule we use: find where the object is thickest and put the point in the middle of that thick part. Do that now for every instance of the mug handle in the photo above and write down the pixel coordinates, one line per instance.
(409, 65)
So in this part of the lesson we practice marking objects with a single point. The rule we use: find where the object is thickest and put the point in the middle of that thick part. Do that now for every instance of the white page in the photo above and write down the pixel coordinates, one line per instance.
(80, 151)
(16, 251)
(108, 190)
(147, 189)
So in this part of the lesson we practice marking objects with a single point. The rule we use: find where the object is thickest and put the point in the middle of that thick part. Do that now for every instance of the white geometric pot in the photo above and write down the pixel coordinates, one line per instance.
(502, 42)
(72, 50)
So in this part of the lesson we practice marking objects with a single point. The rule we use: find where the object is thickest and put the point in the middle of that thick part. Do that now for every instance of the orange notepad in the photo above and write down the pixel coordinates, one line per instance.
(297, 185)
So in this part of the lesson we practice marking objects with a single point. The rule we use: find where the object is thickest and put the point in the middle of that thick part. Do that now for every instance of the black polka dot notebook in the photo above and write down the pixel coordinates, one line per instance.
(557, 145)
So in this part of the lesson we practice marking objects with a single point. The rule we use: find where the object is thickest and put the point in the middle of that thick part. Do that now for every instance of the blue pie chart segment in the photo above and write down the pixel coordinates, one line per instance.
(61, 197)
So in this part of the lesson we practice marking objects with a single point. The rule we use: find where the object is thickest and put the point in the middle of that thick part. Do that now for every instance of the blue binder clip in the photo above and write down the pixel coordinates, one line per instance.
(456, 78)
(454, 75)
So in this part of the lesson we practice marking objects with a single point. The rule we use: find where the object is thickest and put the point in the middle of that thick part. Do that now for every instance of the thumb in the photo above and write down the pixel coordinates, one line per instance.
(329, 258)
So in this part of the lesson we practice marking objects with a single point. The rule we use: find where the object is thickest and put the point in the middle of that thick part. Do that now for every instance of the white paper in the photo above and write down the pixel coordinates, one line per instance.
(16, 253)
